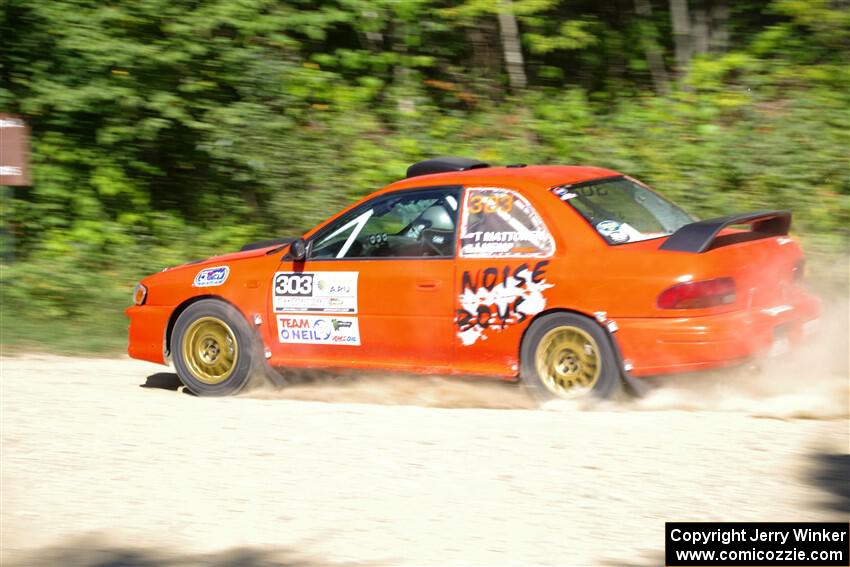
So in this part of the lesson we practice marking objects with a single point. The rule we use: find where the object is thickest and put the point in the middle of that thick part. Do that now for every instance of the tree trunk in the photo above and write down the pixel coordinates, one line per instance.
(476, 40)
(484, 38)
(681, 20)
(719, 33)
(650, 47)
(699, 31)
(511, 46)
(405, 104)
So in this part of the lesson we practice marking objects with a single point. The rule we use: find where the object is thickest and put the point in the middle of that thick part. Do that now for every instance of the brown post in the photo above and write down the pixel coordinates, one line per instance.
(14, 150)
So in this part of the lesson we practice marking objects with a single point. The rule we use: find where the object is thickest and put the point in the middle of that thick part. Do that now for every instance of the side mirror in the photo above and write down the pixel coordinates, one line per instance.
(297, 250)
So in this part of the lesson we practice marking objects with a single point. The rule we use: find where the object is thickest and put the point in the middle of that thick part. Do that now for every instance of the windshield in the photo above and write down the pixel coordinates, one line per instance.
(622, 210)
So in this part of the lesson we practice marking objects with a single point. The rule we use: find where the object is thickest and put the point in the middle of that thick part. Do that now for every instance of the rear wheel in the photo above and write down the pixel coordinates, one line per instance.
(566, 355)
(214, 349)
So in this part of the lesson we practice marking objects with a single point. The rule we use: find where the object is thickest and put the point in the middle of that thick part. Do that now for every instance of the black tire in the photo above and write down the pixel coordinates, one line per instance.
(248, 360)
(605, 384)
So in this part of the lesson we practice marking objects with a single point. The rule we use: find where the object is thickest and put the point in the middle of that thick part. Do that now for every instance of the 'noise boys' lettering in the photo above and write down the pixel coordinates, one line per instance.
(495, 297)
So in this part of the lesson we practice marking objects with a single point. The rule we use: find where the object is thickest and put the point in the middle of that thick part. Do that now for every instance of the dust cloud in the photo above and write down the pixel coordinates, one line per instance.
(397, 389)
(810, 382)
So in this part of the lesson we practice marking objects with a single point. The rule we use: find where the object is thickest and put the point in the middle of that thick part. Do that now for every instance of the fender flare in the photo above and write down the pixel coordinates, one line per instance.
(632, 384)
(181, 307)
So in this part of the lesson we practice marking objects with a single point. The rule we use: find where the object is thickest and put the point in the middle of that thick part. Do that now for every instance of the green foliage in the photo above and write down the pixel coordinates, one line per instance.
(165, 132)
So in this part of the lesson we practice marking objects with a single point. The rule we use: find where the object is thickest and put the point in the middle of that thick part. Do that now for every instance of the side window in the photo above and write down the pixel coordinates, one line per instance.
(409, 224)
(502, 223)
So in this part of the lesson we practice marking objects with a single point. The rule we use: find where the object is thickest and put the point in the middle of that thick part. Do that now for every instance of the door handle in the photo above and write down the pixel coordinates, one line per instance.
(428, 285)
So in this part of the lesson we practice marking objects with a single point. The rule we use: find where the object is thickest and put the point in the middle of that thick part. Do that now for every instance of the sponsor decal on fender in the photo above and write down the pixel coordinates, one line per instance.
(309, 329)
(209, 277)
(494, 298)
(315, 292)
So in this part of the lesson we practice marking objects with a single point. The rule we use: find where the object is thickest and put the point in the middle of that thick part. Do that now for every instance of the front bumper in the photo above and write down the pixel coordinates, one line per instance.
(148, 324)
(665, 345)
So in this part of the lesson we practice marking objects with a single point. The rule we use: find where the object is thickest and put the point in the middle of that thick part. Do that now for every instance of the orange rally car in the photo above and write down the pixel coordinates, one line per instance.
(572, 279)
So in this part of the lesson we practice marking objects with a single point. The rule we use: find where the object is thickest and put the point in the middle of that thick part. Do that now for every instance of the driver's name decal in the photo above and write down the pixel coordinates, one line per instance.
(499, 223)
(314, 292)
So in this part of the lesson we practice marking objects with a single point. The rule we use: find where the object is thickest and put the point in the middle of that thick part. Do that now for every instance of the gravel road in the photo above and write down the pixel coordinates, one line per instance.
(107, 462)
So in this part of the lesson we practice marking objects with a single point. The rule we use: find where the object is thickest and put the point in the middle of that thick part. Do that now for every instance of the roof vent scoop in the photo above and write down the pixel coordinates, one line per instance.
(443, 165)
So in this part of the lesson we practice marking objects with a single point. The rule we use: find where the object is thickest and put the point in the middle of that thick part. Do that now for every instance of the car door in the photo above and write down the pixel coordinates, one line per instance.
(502, 269)
(376, 287)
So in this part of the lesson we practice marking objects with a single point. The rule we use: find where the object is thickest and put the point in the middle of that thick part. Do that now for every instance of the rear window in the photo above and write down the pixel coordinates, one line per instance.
(622, 210)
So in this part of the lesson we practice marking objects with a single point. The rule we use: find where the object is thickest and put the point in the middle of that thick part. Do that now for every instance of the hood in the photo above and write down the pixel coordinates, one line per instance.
(231, 257)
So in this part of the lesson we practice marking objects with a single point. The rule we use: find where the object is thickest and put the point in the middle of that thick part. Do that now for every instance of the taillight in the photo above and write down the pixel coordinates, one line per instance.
(697, 295)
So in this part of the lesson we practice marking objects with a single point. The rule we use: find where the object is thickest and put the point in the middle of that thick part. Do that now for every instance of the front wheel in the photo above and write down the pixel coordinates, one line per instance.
(565, 355)
(214, 349)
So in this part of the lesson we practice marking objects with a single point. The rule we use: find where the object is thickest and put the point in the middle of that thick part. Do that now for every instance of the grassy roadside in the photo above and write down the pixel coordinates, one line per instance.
(101, 333)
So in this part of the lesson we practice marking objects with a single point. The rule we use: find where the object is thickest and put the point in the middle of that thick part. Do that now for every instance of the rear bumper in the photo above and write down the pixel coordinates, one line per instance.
(667, 345)
(147, 332)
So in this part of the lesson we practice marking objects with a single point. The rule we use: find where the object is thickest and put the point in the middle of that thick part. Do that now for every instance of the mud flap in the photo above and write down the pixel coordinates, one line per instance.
(631, 385)
(781, 342)
(263, 373)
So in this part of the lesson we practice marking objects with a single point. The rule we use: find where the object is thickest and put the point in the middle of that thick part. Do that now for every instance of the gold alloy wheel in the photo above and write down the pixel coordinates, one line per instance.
(568, 359)
(210, 350)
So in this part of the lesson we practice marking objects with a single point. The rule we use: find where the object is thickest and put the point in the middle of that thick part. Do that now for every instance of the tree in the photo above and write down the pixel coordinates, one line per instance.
(654, 56)
(681, 20)
(511, 46)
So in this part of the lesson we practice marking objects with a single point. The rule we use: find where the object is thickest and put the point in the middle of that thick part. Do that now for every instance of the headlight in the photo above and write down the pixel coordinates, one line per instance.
(140, 294)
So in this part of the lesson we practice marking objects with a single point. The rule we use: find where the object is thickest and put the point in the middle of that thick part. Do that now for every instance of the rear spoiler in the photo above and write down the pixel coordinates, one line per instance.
(699, 236)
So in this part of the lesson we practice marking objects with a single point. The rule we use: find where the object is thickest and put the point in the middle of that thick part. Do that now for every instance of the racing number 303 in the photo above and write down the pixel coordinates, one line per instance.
(294, 284)
(479, 204)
